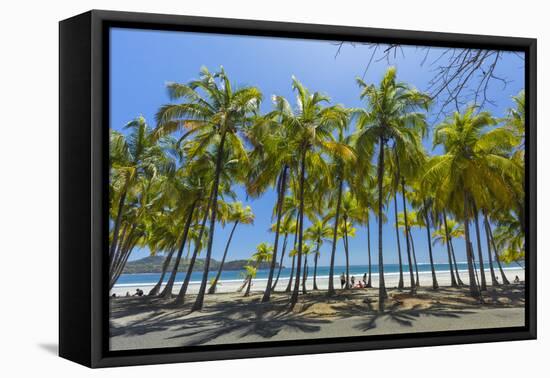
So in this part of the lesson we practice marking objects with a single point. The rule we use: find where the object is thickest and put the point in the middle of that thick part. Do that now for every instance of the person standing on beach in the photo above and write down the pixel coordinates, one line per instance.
(342, 280)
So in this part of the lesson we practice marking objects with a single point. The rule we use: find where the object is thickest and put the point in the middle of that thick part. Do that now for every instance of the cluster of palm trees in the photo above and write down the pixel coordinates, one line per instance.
(331, 168)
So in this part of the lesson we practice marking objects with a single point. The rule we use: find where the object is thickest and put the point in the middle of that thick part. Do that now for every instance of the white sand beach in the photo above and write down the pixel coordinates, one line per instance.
(391, 279)
(228, 317)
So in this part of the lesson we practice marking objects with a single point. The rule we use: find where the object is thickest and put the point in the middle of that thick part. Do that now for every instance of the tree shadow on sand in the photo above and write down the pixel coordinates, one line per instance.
(247, 318)
(405, 317)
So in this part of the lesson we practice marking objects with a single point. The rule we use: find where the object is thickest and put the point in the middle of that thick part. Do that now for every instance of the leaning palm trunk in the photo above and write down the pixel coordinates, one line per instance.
(414, 259)
(113, 257)
(280, 263)
(346, 250)
(331, 290)
(248, 286)
(125, 254)
(369, 281)
(155, 290)
(118, 220)
(497, 258)
(291, 278)
(474, 290)
(407, 238)
(167, 291)
(382, 294)
(315, 260)
(304, 279)
(212, 288)
(400, 285)
(183, 290)
(281, 195)
(449, 253)
(214, 209)
(435, 285)
(289, 286)
(119, 253)
(458, 279)
(294, 297)
(494, 280)
(479, 251)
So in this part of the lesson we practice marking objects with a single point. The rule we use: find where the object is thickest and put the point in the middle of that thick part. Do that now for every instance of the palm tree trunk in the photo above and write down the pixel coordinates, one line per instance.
(125, 254)
(331, 290)
(304, 289)
(183, 290)
(407, 238)
(212, 288)
(167, 291)
(248, 286)
(414, 259)
(289, 286)
(127, 246)
(119, 217)
(316, 258)
(449, 255)
(458, 279)
(155, 290)
(214, 209)
(497, 258)
(474, 290)
(382, 294)
(291, 278)
(479, 251)
(369, 281)
(494, 280)
(294, 297)
(435, 285)
(116, 253)
(346, 250)
(280, 263)
(281, 195)
(400, 285)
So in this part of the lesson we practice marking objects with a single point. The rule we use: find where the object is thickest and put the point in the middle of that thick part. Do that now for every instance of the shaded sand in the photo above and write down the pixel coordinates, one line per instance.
(146, 322)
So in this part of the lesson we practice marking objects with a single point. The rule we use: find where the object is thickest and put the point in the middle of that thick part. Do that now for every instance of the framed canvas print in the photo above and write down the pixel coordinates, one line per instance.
(233, 188)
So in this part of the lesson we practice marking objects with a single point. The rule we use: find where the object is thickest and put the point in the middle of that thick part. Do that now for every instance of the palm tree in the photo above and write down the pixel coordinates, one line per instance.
(287, 227)
(364, 191)
(474, 166)
(185, 192)
(343, 170)
(216, 120)
(238, 215)
(391, 114)
(134, 157)
(274, 159)
(310, 125)
(448, 230)
(263, 253)
(407, 224)
(319, 232)
(306, 250)
(350, 212)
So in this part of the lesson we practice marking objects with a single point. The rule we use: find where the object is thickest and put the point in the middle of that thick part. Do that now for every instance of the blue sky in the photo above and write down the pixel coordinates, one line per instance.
(142, 62)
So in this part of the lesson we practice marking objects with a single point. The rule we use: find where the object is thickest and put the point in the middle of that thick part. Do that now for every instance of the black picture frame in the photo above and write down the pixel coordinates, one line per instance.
(83, 195)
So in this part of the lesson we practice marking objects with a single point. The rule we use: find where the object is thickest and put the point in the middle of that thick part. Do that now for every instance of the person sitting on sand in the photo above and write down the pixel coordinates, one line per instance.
(359, 284)
(127, 293)
(139, 292)
(114, 295)
(342, 280)
(516, 280)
